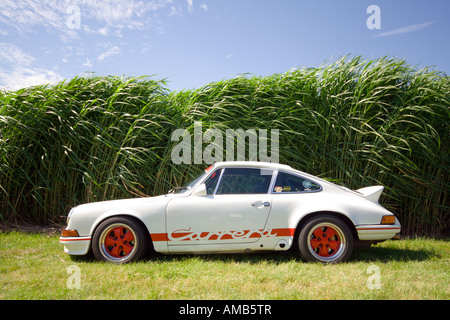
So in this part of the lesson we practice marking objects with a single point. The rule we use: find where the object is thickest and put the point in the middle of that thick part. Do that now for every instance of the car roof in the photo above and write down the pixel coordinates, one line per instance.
(258, 164)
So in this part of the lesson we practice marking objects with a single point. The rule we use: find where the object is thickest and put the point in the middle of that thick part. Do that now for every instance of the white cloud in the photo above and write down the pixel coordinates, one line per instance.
(13, 55)
(56, 15)
(88, 63)
(24, 16)
(175, 11)
(411, 28)
(190, 5)
(109, 53)
(19, 70)
(103, 31)
(22, 77)
(53, 17)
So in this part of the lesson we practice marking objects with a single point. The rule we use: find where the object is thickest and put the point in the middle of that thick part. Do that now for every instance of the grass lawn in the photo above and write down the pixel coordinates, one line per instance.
(33, 266)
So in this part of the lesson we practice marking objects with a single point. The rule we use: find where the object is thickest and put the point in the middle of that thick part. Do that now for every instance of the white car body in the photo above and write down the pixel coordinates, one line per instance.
(193, 221)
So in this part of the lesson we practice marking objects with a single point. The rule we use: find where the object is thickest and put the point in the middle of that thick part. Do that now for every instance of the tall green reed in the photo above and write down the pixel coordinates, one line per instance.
(352, 121)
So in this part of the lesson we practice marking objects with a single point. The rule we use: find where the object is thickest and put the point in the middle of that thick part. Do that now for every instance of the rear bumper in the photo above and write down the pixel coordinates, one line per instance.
(76, 245)
(377, 231)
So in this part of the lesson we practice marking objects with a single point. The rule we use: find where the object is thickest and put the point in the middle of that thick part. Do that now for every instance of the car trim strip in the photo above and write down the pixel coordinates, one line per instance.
(378, 228)
(75, 239)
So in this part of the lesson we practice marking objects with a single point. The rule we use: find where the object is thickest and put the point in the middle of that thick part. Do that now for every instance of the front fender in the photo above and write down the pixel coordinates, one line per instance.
(150, 211)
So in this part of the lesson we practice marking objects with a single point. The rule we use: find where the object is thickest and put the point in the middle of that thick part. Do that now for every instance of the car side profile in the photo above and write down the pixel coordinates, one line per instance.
(235, 207)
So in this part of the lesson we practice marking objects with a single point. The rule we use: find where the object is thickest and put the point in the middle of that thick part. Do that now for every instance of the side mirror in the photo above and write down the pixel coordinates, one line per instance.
(200, 191)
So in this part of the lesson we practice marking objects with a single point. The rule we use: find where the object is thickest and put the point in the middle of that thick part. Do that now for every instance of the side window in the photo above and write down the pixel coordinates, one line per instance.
(245, 181)
(211, 182)
(290, 183)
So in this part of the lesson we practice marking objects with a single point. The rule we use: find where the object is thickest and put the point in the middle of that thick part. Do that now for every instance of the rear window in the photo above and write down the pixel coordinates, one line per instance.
(290, 183)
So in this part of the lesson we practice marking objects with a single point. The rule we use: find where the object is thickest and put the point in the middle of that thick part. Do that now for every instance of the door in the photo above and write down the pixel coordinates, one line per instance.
(234, 211)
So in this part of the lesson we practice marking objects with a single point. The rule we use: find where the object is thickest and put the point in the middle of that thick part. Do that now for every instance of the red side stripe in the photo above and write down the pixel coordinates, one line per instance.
(279, 232)
(283, 232)
(159, 237)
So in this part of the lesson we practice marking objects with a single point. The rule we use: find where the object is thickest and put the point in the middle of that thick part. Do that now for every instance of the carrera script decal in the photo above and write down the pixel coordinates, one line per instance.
(188, 235)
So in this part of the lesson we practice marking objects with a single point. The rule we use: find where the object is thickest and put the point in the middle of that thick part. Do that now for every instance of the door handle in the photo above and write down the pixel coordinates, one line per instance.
(265, 204)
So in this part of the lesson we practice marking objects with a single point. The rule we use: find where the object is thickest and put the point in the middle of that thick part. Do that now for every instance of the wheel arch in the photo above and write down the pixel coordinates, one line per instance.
(127, 216)
(304, 220)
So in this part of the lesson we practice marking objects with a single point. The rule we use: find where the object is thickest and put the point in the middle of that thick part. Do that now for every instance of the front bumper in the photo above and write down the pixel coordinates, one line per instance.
(76, 245)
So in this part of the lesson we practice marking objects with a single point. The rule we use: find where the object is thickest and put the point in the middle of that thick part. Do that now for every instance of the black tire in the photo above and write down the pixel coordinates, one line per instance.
(325, 239)
(119, 240)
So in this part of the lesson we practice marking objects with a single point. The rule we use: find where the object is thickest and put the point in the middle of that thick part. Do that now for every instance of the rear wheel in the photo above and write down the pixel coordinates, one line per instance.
(119, 240)
(326, 239)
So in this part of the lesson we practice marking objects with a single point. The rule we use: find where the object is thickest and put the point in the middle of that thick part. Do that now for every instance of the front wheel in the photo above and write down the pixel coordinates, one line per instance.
(119, 240)
(326, 239)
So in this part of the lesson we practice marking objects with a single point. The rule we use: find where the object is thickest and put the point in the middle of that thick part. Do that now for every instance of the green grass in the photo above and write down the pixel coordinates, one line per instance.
(33, 266)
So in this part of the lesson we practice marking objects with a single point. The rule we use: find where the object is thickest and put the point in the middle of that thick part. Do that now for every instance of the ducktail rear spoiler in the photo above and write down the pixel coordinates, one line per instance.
(371, 193)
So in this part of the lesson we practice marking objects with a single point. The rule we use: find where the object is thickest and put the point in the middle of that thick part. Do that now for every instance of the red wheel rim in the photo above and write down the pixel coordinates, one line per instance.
(119, 242)
(325, 241)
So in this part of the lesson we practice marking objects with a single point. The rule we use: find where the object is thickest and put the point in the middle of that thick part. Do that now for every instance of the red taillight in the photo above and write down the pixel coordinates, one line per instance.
(209, 168)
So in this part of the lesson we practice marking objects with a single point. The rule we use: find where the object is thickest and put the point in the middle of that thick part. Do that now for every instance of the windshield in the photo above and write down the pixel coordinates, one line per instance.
(187, 186)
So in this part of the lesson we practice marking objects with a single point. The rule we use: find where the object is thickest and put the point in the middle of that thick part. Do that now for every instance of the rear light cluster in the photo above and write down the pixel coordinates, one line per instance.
(388, 220)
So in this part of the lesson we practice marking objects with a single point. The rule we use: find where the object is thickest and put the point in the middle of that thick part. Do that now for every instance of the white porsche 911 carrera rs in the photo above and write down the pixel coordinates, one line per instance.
(235, 207)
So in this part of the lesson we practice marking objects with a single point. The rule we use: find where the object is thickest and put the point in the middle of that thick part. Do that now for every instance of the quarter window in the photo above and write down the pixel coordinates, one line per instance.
(245, 181)
(211, 182)
(289, 183)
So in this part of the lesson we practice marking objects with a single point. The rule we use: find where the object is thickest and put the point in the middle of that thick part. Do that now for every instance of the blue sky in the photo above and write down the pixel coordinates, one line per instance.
(194, 42)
